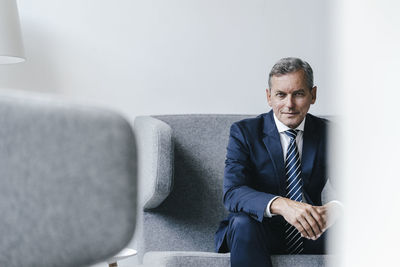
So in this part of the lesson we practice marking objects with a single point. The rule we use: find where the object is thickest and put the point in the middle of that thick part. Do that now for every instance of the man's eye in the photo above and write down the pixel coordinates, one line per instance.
(299, 94)
(280, 94)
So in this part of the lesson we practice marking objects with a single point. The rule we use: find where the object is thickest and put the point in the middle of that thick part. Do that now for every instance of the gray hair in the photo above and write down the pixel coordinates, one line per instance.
(289, 65)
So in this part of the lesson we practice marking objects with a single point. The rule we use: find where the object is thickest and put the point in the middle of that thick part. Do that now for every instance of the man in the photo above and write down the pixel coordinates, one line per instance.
(275, 171)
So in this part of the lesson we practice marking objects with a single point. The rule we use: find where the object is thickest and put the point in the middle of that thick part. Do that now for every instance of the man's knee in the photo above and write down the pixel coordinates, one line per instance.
(247, 242)
(242, 224)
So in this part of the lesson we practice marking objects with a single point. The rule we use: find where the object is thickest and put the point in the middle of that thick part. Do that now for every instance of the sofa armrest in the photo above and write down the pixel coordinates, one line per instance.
(155, 160)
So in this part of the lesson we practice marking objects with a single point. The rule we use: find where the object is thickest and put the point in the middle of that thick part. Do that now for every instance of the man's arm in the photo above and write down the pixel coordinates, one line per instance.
(239, 195)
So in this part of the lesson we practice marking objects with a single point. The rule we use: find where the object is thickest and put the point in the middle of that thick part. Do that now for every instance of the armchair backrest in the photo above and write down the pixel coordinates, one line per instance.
(67, 182)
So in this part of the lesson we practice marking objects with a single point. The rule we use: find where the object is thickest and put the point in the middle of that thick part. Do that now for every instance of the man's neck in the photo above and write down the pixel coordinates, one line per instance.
(282, 127)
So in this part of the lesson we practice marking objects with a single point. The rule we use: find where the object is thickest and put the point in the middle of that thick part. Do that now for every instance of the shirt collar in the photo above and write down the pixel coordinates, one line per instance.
(282, 127)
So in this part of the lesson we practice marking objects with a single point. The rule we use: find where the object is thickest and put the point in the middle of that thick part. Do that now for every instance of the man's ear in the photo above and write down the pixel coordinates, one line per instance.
(313, 94)
(268, 91)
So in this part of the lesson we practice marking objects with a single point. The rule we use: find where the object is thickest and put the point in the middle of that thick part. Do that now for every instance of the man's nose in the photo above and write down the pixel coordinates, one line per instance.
(289, 101)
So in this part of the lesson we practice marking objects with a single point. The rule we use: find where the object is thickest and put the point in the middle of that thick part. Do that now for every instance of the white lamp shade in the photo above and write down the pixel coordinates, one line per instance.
(11, 48)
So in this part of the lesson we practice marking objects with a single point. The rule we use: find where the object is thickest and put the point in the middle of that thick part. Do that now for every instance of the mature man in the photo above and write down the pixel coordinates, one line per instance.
(276, 167)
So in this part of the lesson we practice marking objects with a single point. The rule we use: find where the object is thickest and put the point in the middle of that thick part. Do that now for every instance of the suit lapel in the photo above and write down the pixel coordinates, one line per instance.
(272, 142)
(310, 144)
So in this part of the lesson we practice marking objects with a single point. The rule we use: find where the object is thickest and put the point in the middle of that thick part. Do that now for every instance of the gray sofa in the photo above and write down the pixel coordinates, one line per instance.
(180, 173)
(67, 182)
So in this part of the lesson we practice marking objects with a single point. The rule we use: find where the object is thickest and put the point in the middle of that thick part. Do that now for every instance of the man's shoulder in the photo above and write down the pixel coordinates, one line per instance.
(318, 122)
(319, 126)
(252, 127)
(266, 120)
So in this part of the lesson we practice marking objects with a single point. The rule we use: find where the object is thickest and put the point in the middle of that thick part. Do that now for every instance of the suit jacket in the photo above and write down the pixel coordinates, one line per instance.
(254, 167)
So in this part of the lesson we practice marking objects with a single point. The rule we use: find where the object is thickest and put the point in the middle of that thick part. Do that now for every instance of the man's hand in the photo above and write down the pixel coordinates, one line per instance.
(330, 213)
(310, 221)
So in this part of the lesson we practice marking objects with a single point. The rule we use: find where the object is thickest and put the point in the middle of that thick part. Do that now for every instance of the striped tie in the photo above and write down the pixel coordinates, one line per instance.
(293, 237)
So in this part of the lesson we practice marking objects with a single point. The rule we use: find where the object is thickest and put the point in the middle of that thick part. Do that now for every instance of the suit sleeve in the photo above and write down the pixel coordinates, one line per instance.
(239, 192)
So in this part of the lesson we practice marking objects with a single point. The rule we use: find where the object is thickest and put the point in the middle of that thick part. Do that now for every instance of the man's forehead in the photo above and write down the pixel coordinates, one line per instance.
(293, 78)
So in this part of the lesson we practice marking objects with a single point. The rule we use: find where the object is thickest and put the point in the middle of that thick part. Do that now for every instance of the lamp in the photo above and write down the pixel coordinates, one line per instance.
(11, 48)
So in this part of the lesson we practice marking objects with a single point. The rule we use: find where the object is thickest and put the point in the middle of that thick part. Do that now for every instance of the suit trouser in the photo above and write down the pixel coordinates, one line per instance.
(252, 243)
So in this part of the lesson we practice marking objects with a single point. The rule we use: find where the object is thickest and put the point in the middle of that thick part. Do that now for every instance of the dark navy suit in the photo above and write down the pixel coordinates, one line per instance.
(254, 174)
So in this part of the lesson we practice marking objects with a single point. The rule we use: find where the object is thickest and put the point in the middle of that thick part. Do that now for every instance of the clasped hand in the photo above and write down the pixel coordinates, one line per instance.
(310, 221)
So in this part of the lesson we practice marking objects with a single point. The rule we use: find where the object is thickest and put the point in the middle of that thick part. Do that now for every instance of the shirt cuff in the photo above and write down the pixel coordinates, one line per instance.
(337, 202)
(267, 212)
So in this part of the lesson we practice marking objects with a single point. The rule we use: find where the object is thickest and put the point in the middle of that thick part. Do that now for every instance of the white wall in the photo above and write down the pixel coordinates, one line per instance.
(164, 57)
(176, 56)
(368, 49)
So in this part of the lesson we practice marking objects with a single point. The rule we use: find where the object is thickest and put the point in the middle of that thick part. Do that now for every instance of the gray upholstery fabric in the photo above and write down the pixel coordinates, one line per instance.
(67, 182)
(187, 258)
(189, 216)
(156, 164)
(207, 259)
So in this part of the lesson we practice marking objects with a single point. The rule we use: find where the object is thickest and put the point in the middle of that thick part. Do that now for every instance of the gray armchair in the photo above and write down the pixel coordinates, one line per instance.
(67, 182)
(180, 172)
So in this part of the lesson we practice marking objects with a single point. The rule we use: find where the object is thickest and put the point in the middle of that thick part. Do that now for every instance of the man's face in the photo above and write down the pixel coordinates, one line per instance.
(289, 98)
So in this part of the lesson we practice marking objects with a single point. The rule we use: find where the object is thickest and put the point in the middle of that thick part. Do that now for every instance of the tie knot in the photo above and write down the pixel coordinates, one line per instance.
(291, 133)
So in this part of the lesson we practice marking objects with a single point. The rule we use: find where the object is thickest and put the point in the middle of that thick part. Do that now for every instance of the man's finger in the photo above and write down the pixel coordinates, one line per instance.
(321, 221)
(306, 227)
(300, 228)
(314, 225)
